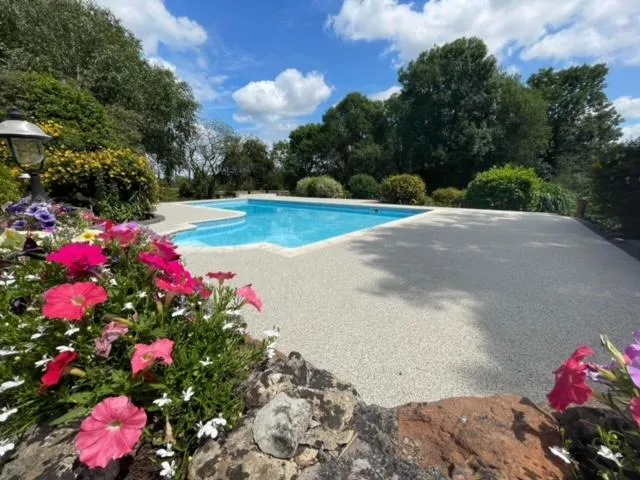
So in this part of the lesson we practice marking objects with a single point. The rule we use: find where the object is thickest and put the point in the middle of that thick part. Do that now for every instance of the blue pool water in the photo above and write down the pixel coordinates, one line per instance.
(287, 224)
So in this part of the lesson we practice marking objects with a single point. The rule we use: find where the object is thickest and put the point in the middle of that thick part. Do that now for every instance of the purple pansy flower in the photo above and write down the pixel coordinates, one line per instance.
(19, 225)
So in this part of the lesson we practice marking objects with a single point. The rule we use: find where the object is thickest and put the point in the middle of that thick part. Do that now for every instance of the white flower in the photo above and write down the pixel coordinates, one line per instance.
(43, 363)
(168, 469)
(71, 331)
(271, 333)
(207, 430)
(5, 446)
(128, 306)
(65, 348)
(228, 325)
(113, 282)
(36, 336)
(142, 295)
(21, 326)
(7, 352)
(219, 420)
(207, 316)
(561, 453)
(609, 455)
(93, 279)
(161, 402)
(271, 352)
(178, 312)
(161, 452)
(187, 394)
(6, 413)
(241, 330)
(160, 295)
(31, 278)
(6, 280)
(16, 382)
(206, 362)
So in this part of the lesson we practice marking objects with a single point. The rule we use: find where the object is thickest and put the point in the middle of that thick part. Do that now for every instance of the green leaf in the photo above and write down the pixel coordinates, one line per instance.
(72, 414)
(81, 398)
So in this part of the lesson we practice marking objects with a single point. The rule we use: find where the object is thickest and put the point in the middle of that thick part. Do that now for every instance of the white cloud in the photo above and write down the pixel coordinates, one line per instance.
(628, 107)
(162, 63)
(513, 70)
(385, 94)
(292, 94)
(631, 132)
(535, 29)
(153, 24)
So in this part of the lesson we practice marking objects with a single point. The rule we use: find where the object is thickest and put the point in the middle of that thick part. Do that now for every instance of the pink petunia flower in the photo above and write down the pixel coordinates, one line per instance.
(179, 282)
(124, 235)
(145, 356)
(110, 334)
(166, 249)
(221, 276)
(79, 258)
(57, 368)
(249, 295)
(71, 301)
(111, 432)
(571, 387)
(157, 262)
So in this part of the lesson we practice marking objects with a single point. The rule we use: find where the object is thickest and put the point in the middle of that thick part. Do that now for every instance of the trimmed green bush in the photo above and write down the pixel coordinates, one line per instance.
(553, 198)
(404, 189)
(323, 186)
(364, 186)
(505, 188)
(448, 197)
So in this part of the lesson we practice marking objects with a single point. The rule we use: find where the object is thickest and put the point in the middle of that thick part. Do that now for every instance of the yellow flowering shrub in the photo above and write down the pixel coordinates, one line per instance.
(102, 172)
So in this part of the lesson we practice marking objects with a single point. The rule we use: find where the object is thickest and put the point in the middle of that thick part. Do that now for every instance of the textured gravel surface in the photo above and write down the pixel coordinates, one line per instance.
(455, 302)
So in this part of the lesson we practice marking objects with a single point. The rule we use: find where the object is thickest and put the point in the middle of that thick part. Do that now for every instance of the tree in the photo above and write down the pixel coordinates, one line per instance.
(307, 154)
(354, 132)
(447, 130)
(583, 121)
(260, 164)
(522, 132)
(83, 44)
(205, 152)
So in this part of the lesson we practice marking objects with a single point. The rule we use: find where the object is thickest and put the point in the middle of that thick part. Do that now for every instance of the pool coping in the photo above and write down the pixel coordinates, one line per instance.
(277, 249)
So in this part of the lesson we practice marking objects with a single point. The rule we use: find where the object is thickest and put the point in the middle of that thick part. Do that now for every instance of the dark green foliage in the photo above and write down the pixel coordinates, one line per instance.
(447, 125)
(553, 198)
(10, 189)
(364, 186)
(448, 197)
(84, 44)
(616, 187)
(322, 186)
(87, 124)
(583, 121)
(505, 188)
(111, 206)
(403, 189)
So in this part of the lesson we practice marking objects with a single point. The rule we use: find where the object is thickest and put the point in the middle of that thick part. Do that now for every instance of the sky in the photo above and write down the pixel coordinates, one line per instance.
(266, 67)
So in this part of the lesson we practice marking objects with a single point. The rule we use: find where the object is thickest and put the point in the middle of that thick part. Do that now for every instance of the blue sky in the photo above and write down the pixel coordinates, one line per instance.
(265, 67)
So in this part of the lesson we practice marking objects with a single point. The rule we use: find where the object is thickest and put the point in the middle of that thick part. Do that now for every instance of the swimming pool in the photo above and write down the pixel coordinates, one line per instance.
(287, 224)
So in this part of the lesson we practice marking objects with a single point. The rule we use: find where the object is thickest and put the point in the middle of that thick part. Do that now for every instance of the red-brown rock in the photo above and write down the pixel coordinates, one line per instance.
(503, 437)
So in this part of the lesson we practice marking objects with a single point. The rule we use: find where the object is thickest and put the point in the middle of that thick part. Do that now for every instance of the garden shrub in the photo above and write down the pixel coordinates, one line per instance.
(9, 187)
(553, 198)
(110, 179)
(322, 186)
(115, 319)
(364, 186)
(616, 188)
(504, 188)
(448, 197)
(404, 189)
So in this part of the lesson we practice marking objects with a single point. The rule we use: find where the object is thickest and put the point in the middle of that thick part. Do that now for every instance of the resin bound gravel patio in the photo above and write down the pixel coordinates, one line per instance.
(454, 302)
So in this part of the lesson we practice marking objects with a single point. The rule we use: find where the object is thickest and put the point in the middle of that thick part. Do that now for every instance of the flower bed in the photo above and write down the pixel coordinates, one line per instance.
(103, 323)
(613, 453)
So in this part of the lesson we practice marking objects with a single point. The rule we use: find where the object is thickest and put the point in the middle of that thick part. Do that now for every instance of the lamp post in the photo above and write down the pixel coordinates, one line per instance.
(26, 143)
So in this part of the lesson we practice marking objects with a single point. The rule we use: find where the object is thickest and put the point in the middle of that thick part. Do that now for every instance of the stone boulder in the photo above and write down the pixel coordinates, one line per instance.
(503, 437)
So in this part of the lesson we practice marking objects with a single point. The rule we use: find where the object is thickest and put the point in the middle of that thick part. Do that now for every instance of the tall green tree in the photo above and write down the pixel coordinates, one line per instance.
(522, 132)
(354, 132)
(447, 130)
(79, 42)
(583, 121)
(260, 164)
(307, 154)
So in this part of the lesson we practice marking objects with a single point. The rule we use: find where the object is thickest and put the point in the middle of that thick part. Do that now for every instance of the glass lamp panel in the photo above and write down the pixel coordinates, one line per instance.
(28, 152)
